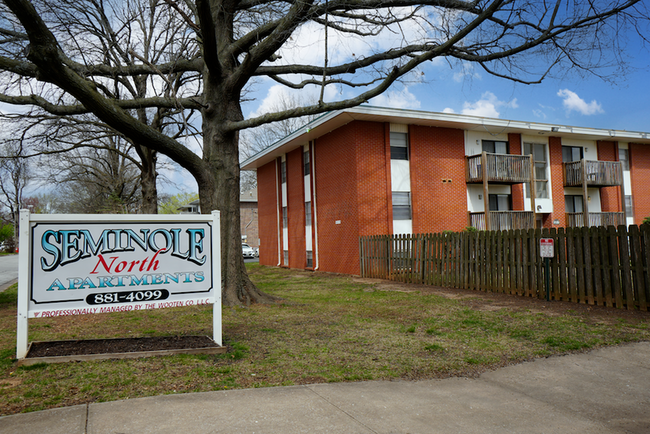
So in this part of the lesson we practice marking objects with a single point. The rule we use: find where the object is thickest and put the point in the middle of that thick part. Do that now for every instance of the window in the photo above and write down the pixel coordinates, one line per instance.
(629, 209)
(401, 205)
(539, 159)
(500, 202)
(310, 259)
(571, 153)
(283, 171)
(573, 203)
(285, 217)
(305, 160)
(307, 213)
(624, 158)
(399, 146)
(495, 147)
(285, 257)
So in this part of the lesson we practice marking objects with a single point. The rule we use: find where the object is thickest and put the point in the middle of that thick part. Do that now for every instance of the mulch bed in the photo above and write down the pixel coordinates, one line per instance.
(121, 345)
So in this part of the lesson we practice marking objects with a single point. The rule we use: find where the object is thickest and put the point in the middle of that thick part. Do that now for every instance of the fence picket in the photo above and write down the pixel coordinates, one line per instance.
(626, 278)
(637, 262)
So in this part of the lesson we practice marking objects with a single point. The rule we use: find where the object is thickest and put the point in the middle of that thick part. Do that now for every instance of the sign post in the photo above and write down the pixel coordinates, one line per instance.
(546, 251)
(84, 264)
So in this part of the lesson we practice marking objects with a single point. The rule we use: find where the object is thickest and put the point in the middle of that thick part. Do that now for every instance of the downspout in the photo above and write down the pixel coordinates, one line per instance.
(277, 207)
(313, 198)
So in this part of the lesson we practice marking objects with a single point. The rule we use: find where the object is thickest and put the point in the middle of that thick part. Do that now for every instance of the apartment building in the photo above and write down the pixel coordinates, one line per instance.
(374, 171)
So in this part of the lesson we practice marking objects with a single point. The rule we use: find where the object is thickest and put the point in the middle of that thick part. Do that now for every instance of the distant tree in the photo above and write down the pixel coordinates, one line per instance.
(15, 175)
(104, 178)
(171, 204)
(259, 138)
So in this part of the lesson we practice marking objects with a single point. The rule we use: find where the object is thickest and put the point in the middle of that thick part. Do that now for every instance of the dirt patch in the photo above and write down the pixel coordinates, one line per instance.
(489, 301)
(111, 346)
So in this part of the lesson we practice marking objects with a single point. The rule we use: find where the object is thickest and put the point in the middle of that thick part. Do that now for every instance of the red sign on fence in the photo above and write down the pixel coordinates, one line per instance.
(546, 248)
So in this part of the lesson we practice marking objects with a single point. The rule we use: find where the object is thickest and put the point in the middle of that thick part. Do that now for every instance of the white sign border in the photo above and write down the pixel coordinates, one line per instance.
(24, 272)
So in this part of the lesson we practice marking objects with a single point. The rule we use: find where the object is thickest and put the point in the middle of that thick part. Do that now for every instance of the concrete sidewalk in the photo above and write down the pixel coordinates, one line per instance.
(604, 391)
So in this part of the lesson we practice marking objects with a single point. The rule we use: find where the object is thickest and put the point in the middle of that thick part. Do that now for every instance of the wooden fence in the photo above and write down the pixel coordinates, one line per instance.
(598, 265)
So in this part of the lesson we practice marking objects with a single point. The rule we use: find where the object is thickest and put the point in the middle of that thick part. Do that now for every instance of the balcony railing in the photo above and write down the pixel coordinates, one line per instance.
(503, 220)
(502, 168)
(576, 219)
(601, 173)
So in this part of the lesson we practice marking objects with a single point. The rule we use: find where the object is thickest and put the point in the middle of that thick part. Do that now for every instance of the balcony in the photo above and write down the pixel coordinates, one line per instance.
(503, 220)
(576, 219)
(595, 173)
(501, 168)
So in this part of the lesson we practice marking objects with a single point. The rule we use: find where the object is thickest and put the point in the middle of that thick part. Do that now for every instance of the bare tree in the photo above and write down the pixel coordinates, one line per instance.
(256, 139)
(233, 43)
(98, 180)
(14, 177)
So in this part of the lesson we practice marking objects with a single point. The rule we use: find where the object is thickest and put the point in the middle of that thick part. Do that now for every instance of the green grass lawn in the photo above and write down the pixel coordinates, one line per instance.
(329, 328)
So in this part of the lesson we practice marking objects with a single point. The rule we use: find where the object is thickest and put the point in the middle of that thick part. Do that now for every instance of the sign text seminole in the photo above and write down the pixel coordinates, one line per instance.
(91, 267)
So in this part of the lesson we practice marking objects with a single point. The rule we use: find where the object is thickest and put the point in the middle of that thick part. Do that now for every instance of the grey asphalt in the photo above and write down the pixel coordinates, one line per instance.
(603, 391)
(8, 271)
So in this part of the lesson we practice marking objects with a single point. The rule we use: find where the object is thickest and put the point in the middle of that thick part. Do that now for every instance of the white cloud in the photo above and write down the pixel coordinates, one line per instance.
(449, 110)
(397, 99)
(279, 96)
(573, 102)
(487, 106)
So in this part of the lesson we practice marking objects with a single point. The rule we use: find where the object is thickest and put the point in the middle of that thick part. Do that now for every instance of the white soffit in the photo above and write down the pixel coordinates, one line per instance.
(333, 120)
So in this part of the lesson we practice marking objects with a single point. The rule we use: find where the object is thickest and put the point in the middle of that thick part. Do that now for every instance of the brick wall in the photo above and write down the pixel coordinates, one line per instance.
(296, 209)
(610, 197)
(557, 182)
(640, 174)
(340, 158)
(514, 140)
(250, 223)
(438, 154)
(373, 187)
(268, 213)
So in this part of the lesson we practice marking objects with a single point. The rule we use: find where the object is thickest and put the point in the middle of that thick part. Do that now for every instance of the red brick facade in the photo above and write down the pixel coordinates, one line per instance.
(514, 140)
(351, 194)
(268, 213)
(438, 189)
(557, 183)
(640, 174)
(610, 197)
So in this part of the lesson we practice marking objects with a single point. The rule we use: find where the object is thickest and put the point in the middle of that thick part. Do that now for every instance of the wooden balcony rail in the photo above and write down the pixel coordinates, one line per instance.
(602, 173)
(507, 169)
(503, 220)
(576, 219)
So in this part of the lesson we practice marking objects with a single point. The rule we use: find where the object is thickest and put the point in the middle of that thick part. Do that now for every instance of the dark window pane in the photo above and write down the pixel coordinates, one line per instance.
(398, 153)
(623, 157)
(399, 146)
(305, 158)
(629, 209)
(401, 205)
(494, 146)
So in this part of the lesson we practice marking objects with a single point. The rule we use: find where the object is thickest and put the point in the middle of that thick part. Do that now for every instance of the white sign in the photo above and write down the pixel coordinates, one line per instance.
(546, 248)
(83, 264)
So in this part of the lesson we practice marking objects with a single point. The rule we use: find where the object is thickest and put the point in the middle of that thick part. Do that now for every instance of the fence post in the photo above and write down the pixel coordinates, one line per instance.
(639, 278)
(626, 278)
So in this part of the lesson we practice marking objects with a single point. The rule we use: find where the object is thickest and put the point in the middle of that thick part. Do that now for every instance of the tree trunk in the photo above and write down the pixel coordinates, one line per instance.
(219, 190)
(148, 177)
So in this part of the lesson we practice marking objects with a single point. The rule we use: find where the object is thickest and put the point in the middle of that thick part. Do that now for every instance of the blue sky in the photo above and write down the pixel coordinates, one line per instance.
(586, 101)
